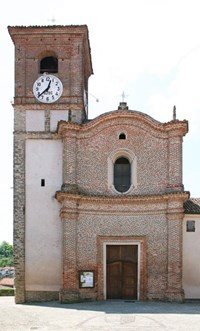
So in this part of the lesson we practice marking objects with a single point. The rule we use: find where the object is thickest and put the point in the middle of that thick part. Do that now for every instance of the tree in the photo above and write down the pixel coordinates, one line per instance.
(6, 254)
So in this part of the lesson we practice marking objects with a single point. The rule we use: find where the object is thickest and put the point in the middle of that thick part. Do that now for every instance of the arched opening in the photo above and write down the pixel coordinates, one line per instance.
(122, 136)
(49, 64)
(122, 174)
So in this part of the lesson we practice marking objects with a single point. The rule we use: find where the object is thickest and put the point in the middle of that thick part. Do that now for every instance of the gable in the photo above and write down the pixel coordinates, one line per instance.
(153, 148)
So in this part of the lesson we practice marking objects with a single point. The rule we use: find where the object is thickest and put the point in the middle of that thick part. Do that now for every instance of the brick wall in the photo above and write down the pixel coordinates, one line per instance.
(131, 220)
(92, 211)
(151, 212)
(70, 44)
(157, 147)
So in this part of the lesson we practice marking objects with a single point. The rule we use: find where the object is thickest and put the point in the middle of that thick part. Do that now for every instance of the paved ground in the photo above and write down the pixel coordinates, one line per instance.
(101, 316)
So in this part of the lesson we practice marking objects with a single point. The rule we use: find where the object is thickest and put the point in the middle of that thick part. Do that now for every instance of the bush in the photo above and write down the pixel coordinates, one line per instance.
(6, 254)
(6, 291)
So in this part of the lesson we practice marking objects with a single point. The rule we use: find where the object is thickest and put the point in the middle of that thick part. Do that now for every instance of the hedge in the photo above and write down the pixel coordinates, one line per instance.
(6, 291)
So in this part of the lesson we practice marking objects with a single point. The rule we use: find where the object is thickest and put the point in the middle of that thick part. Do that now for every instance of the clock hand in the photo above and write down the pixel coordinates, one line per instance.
(46, 89)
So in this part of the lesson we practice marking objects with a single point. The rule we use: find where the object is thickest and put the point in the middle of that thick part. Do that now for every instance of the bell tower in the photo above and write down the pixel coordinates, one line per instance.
(52, 68)
(62, 51)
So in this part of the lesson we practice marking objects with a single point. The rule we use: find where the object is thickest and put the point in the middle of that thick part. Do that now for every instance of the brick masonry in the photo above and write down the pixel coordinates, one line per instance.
(92, 212)
(148, 220)
(151, 212)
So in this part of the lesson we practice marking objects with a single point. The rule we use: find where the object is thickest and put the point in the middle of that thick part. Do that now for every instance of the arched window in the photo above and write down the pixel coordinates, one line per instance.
(49, 64)
(122, 136)
(122, 171)
(122, 174)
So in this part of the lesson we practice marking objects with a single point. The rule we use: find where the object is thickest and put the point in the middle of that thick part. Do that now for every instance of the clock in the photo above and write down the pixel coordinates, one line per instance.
(47, 88)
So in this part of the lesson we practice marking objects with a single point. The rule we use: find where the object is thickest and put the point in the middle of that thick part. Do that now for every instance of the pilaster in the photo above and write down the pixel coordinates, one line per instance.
(19, 217)
(69, 164)
(175, 162)
(69, 290)
(175, 264)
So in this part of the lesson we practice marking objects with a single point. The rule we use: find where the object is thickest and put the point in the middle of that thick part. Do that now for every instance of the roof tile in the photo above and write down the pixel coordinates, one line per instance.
(192, 206)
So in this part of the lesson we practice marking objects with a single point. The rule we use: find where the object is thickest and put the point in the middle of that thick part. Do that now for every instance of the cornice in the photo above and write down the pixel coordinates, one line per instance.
(37, 134)
(123, 117)
(25, 106)
(172, 196)
(175, 215)
(46, 29)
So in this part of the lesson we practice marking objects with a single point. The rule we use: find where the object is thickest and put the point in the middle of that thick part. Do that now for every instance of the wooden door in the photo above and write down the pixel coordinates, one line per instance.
(121, 268)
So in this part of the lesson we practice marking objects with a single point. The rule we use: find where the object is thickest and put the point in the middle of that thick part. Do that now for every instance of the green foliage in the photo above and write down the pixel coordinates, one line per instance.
(6, 249)
(7, 291)
(6, 254)
(6, 262)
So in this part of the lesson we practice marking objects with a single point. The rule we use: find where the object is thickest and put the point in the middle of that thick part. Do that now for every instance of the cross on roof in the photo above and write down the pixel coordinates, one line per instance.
(52, 20)
(123, 95)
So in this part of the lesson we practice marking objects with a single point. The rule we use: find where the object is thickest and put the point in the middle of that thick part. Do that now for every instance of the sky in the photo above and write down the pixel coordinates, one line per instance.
(148, 49)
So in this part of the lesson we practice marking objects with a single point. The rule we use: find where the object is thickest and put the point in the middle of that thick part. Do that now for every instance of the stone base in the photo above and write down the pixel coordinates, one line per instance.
(39, 296)
(20, 294)
(68, 296)
(172, 296)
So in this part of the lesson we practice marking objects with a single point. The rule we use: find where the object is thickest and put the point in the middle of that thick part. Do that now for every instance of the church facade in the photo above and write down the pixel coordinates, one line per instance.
(98, 204)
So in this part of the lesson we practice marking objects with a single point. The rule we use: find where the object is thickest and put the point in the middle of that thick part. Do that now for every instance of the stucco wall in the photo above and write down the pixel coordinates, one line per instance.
(43, 236)
(35, 120)
(57, 115)
(191, 253)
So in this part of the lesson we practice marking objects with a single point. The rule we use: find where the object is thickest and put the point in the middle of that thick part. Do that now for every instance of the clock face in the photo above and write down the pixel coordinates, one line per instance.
(47, 88)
